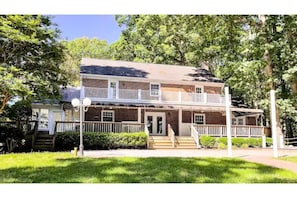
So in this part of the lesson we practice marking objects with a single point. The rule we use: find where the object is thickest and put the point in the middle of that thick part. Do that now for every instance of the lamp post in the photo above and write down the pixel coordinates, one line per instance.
(81, 105)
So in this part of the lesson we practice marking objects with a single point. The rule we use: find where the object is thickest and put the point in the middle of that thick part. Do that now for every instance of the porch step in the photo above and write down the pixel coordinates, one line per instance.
(43, 142)
(163, 142)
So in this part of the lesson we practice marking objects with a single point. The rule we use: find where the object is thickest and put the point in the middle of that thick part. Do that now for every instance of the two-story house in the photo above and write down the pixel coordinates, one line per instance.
(157, 95)
(159, 99)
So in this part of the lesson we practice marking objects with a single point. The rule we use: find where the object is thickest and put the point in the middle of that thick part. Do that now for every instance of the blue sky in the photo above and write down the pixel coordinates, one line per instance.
(104, 27)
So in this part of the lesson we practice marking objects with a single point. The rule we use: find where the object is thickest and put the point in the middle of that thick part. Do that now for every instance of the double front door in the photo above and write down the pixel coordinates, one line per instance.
(156, 123)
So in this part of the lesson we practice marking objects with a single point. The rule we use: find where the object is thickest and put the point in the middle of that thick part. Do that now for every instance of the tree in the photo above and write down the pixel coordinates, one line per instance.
(252, 54)
(82, 48)
(30, 58)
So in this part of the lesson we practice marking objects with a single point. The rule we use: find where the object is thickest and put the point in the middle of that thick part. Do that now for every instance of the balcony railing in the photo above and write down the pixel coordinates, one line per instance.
(236, 131)
(144, 96)
(94, 126)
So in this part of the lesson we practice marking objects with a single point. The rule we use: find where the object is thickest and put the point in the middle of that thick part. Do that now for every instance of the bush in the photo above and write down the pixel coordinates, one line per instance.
(12, 139)
(222, 146)
(207, 141)
(268, 141)
(99, 141)
(222, 140)
(244, 146)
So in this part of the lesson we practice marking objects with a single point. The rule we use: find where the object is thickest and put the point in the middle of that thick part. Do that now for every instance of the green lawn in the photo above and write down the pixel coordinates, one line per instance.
(291, 159)
(64, 168)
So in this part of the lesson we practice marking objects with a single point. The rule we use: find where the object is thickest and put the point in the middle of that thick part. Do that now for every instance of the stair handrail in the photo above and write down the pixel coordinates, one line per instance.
(171, 135)
(195, 135)
(147, 136)
(34, 135)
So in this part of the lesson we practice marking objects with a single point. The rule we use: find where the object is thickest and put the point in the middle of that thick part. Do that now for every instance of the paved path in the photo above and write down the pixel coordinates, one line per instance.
(263, 156)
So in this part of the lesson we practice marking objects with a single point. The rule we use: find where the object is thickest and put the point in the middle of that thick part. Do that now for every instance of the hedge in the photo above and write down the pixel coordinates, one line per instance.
(212, 142)
(100, 141)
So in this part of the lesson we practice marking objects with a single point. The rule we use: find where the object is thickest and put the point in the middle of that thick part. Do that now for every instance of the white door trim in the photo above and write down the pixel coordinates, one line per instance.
(155, 115)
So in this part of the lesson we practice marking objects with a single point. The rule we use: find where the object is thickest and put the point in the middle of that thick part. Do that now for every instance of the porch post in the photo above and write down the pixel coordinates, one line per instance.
(273, 122)
(139, 115)
(228, 121)
(180, 117)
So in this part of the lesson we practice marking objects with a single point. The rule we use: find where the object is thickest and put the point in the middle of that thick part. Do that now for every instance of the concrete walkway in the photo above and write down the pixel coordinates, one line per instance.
(263, 156)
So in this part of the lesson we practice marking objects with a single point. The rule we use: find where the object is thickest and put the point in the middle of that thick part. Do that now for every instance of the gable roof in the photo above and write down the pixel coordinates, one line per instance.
(146, 70)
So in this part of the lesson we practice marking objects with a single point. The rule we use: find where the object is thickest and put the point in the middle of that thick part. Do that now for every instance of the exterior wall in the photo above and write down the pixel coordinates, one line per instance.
(95, 83)
(176, 88)
(212, 90)
(134, 85)
(210, 117)
(251, 120)
(94, 114)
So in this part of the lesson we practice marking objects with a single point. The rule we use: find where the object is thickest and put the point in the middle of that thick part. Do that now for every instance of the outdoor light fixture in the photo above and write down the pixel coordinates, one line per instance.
(81, 106)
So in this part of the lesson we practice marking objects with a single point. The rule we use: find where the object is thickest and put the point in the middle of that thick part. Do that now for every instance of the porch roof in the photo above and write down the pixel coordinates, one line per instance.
(235, 110)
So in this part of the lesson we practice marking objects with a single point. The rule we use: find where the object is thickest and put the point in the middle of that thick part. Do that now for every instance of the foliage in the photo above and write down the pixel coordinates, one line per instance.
(60, 167)
(93, 140)
(222, 145)
(20, 110)
(207, 141)
(12, 139)
(30, 58)
(82, 48)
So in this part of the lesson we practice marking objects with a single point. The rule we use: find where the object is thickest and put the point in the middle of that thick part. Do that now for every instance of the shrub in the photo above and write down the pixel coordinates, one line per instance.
(207, 141)
(222, 140)
(244, 146)
(222, 146)
(93, 140)
(12, 139)
(268, 141)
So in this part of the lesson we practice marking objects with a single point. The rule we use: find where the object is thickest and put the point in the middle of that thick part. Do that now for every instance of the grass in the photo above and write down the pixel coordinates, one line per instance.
(290, 158)
(62, 167)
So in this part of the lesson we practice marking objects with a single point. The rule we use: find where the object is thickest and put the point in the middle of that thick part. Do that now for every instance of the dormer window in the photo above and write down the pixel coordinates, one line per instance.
(154, 89)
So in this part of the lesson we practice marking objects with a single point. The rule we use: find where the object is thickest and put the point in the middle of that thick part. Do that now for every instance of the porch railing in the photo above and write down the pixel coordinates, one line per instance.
(236, 131)
(195, 135)
(93, 126)
(144, 96)
(28, 127)
(171, 135)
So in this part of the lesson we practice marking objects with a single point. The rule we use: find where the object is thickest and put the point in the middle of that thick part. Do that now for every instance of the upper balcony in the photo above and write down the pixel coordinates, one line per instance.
(145, 97)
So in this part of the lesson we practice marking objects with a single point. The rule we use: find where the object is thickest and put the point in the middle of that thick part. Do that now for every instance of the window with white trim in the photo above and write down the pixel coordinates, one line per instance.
(199, 118)
(238, 121)
(198, 89)
(107, 116)
(155, 89)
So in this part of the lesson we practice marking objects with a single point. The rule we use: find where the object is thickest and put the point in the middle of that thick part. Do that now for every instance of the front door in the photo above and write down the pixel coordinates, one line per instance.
(113, 89)
(156, 123)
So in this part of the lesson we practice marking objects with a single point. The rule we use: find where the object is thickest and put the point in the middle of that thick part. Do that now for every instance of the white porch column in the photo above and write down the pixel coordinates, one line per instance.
(180, 117)
(228, 121)
(273, 122)
(139, 115)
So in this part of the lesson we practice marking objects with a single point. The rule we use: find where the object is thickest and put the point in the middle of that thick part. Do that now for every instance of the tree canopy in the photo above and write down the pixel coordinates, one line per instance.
(82, 48)
(30, 58)
(252, 54)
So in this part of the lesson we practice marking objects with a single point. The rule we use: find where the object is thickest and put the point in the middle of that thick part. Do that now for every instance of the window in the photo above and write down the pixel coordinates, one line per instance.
(107, 116)
(155, 89)
(199, 119)
(198, 89)
(238, 121)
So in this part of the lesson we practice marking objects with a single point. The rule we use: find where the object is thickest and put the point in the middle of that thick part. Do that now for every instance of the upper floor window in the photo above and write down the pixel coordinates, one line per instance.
(199, 118)
(198, 89)
(107, 116)
(155, 89)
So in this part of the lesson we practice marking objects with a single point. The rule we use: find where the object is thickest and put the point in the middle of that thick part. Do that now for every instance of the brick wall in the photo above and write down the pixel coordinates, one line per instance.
(134, 85)
(210, 117)
(94, 114)
(212, 90)
(251, 121)
(176, 88)
(95, 83)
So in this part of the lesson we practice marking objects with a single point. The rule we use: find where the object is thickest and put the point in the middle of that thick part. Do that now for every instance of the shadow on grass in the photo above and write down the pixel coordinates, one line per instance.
(146, 170)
